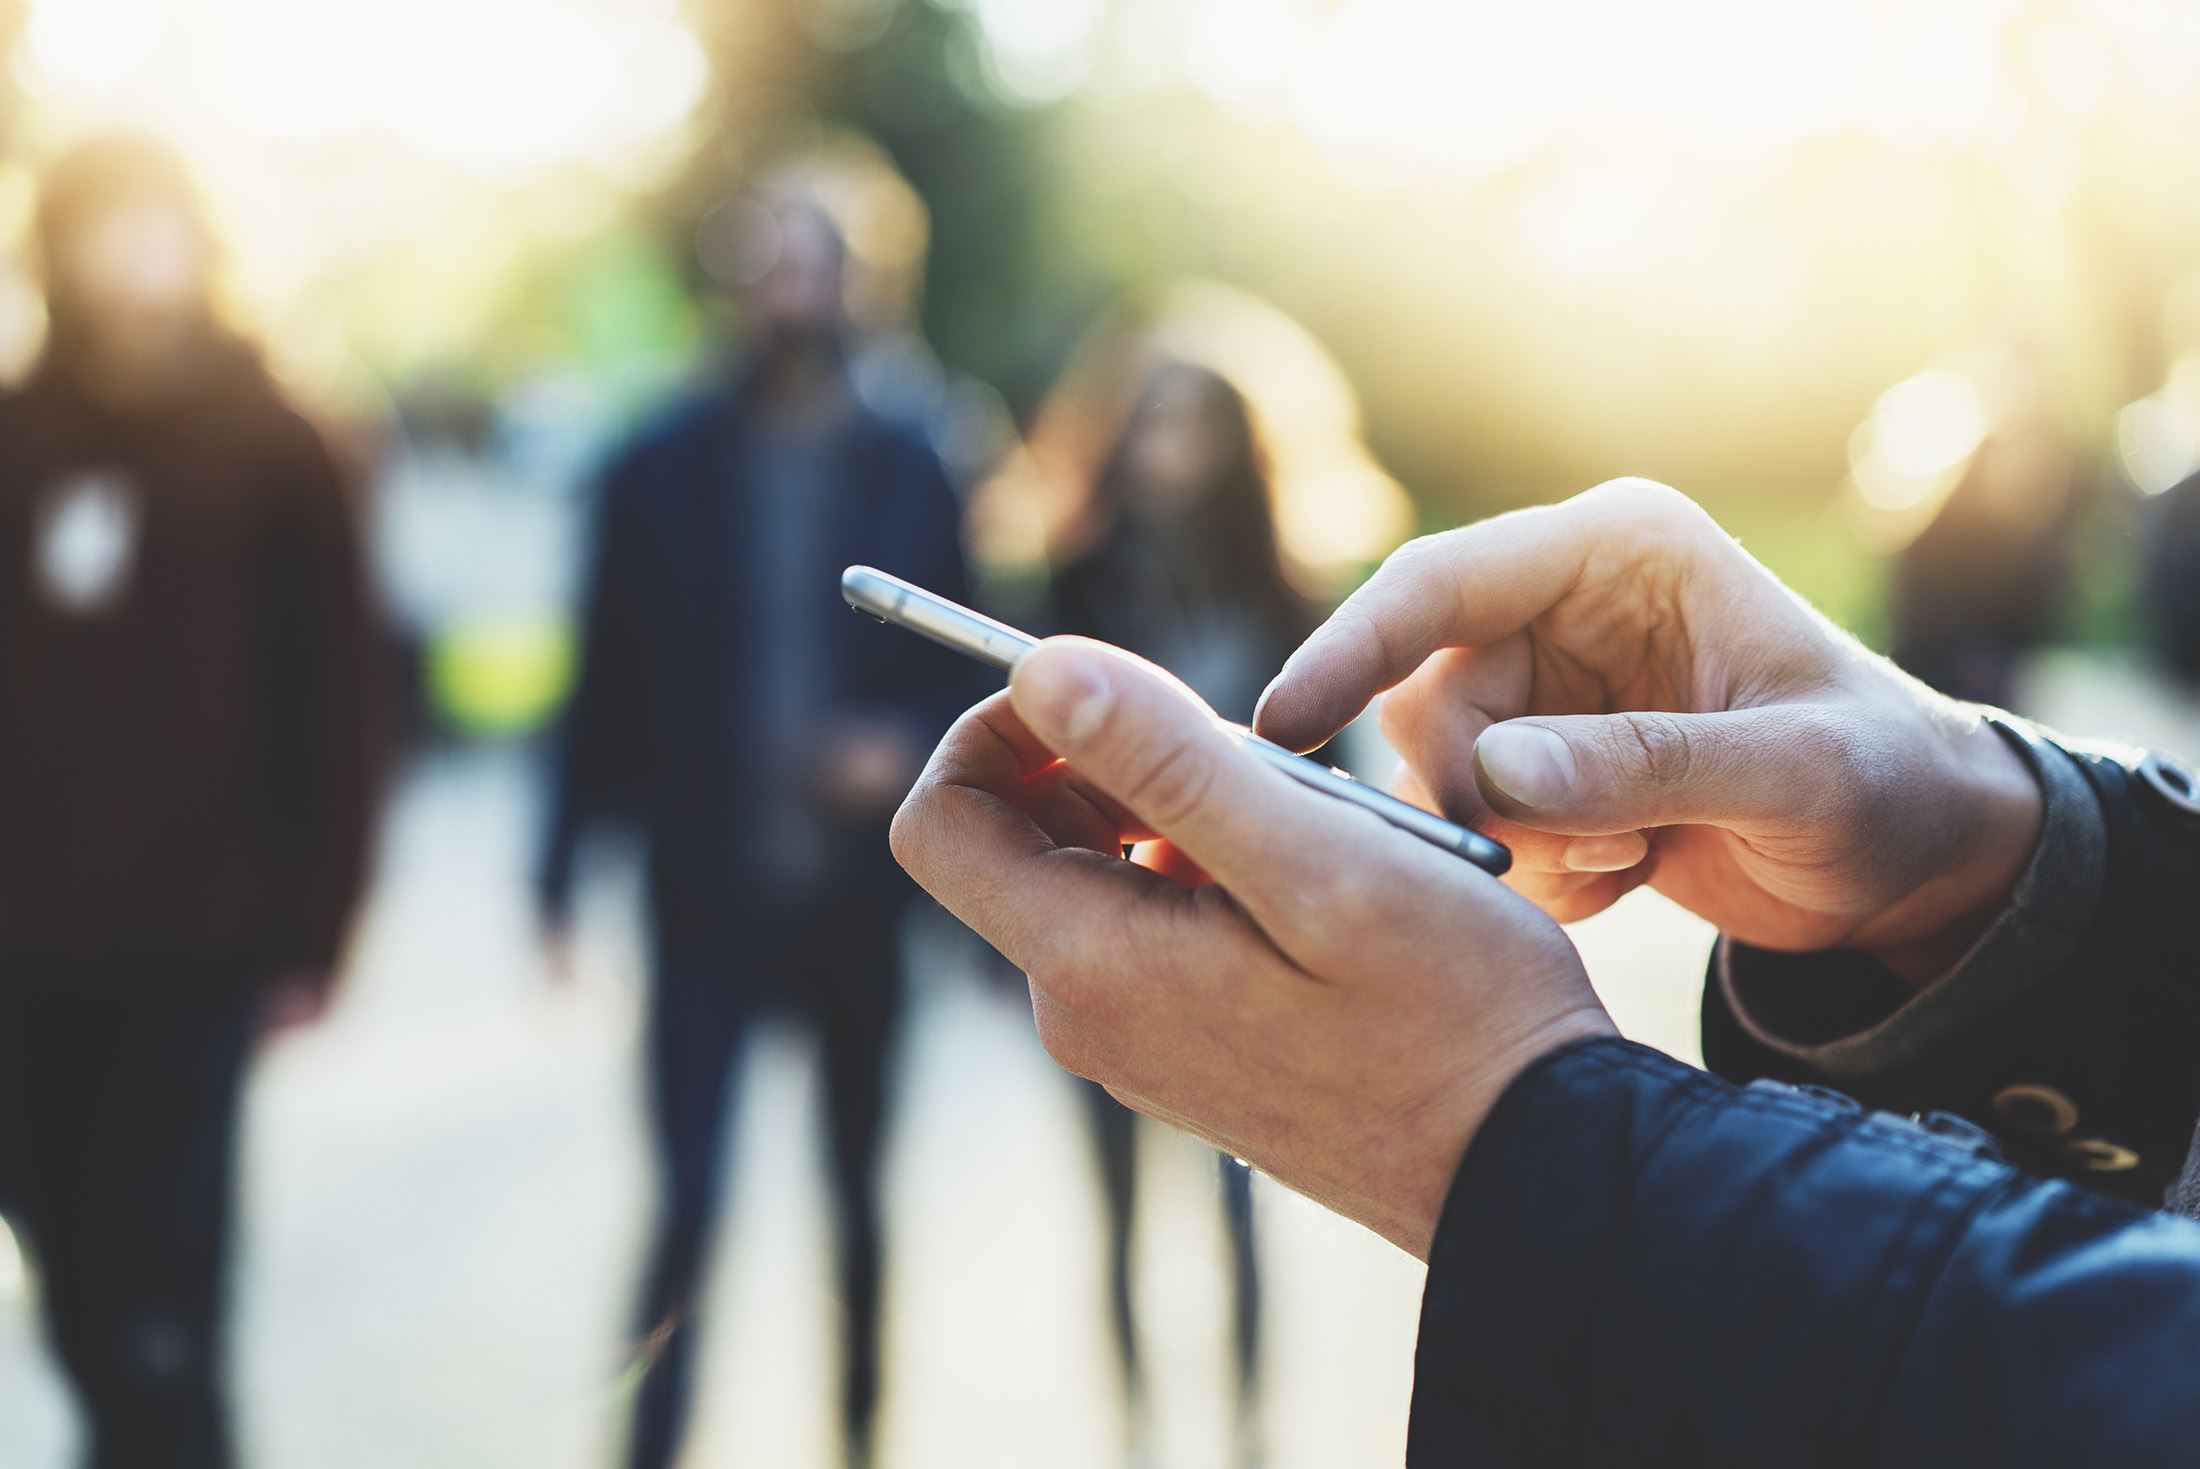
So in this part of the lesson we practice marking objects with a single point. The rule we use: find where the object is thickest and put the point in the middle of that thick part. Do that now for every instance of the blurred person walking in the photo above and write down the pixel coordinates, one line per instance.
(1160, 475)
(1183, 569)
(185, 777)
(2169, 586)
(1986, 583)
(758, 738)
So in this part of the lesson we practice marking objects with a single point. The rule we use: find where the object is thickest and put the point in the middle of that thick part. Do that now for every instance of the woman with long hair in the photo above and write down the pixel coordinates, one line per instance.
(1161, 482)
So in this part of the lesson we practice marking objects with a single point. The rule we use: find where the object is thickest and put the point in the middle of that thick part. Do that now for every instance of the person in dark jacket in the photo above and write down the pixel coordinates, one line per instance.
(185, 779)
(1926, 1212)
(1987, 582)
(757, 736)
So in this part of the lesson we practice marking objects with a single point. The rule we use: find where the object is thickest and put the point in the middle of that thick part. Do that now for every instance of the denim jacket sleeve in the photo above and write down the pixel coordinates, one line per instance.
(1643, 1264)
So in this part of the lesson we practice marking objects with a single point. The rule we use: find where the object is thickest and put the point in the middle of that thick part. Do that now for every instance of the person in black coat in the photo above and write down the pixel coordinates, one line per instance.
(757, 736)
(187, 779)
(1937, 1204)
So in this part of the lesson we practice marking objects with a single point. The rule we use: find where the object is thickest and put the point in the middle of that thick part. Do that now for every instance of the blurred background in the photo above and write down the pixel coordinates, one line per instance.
(1908, 294)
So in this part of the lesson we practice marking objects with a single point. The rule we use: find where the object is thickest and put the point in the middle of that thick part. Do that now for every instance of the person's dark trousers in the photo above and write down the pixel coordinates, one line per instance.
(1115, 1139)
(836, 972)
(1115, 1142)
(118, 1101)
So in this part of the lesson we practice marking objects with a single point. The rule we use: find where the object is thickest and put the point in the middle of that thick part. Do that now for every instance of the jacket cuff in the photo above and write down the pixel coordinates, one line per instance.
(2077, 1054)
(1848, 1018)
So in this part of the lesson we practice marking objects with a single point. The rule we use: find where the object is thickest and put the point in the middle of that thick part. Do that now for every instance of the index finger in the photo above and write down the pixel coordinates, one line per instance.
(968, 837)
(1458, 588)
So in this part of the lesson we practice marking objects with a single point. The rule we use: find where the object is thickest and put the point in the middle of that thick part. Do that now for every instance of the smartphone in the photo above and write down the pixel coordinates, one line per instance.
(889, 599)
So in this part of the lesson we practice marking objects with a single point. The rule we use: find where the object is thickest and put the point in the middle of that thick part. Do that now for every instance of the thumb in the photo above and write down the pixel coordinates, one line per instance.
(1147, 743)
(1588, 775)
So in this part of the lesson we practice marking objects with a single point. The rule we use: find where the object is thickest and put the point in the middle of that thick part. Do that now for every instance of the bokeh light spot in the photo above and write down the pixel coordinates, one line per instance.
(1920, 434)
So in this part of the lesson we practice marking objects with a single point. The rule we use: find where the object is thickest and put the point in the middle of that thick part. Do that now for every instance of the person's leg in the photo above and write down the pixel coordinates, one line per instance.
(1237, 1208)
(1115, 1144)
(130, 1163)
(856, 982)
(693, 1044)
(17, 1101)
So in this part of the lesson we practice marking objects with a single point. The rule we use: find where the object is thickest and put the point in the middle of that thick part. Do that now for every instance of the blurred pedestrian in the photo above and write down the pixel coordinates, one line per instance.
(1987, 582)
(1187, 573)
(1180, 561)
(759, 736)
(185, 663)
(1162, 475)
(2169, 584)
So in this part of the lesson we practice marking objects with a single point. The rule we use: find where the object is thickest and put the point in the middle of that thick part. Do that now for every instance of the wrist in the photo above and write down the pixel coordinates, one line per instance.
(1997, 808)
(1410, 1218)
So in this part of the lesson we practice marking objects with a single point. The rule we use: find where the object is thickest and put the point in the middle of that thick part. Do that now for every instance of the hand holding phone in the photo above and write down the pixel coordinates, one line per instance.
(889, 599)
(1340, 1005)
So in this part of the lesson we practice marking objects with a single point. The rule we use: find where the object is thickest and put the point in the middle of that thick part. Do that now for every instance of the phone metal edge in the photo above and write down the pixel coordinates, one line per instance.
(887, 598)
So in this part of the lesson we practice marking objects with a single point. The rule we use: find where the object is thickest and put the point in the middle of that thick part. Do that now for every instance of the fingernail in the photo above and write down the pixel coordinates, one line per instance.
(1067, 692)
(1527, 763)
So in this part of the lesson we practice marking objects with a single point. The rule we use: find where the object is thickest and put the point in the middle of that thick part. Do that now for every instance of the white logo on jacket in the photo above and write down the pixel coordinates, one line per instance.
(87, 542)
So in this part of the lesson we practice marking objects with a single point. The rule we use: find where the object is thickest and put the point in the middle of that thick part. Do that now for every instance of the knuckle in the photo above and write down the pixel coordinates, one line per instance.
(1084, 1009)
(1344, 892)
(1652, 747)
(1820, 742)
(1064, 1039)
(905, 837)
(1418, 569)
(1640, 492)
(1840, 757)
(1152, 955)
(1399, 718)
(1088, 987)
(1311, 891)
(1174, 786)
(1648, 502)
(1407, 571)
(1329, 908)
(1369, 628)
(1421, 554)
(1389, 718)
